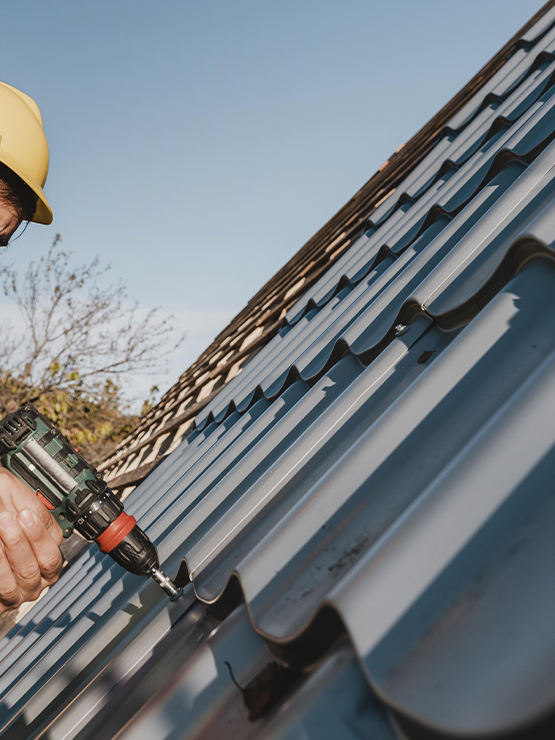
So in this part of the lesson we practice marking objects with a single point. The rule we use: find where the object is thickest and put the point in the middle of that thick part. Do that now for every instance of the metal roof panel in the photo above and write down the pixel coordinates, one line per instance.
(362, 516)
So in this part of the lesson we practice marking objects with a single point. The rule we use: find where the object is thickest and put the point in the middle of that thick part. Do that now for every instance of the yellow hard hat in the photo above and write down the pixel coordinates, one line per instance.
(23, 145)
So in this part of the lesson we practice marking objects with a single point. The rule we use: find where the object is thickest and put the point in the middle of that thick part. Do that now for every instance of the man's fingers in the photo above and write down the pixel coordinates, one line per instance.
(16, 496)
(29, 537)
(21, 557)
(25, 498)
(9, 485)
(10, 595)
(45, 549)
(50, 524)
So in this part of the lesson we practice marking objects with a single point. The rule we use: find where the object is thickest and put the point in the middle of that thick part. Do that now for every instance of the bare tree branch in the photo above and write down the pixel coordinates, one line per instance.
(81, 337)
(79, 332)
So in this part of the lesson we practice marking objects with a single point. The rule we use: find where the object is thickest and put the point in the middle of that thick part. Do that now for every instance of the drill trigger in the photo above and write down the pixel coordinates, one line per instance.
(42, 498)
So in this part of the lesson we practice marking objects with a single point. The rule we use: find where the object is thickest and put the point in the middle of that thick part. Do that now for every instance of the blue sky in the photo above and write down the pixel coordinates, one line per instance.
(196, 145)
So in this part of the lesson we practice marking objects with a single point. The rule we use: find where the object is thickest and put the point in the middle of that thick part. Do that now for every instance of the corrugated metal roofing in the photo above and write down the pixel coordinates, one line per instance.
(163, 429)
(362, 517)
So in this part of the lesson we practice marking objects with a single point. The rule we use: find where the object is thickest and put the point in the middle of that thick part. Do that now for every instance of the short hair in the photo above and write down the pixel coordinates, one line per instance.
(17, 193)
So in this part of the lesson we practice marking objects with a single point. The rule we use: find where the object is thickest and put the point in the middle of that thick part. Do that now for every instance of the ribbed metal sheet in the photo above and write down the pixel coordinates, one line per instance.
(368, 506)
(172, 419)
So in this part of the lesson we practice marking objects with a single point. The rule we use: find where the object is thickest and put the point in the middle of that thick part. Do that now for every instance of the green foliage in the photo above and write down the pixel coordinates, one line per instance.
(93, 425)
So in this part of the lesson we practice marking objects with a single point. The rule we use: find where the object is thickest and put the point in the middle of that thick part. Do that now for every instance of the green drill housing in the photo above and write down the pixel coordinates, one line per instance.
(38, 454)
(75, 493)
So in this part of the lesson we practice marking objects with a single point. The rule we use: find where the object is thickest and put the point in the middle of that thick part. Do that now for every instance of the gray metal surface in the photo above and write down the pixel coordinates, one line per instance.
(362, 518)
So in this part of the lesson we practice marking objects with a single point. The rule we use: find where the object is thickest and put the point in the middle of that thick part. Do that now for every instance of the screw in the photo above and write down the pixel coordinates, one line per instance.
(401, 329)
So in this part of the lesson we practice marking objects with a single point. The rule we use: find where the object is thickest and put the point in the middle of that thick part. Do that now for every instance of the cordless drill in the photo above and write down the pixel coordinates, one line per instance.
(75, 493)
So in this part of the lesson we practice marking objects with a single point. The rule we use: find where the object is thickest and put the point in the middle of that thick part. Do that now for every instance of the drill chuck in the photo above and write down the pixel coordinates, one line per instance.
(129, 546)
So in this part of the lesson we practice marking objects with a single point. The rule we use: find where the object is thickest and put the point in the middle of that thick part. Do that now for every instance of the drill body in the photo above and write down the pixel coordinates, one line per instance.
(75, 492)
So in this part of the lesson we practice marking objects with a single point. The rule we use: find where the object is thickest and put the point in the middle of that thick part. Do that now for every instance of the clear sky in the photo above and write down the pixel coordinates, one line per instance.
(197, 144)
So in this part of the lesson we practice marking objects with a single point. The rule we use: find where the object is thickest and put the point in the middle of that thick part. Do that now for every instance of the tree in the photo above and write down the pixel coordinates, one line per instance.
(81, 336)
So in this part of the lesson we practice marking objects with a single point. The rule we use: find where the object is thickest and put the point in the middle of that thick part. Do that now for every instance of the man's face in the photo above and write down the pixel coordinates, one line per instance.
(9, 221)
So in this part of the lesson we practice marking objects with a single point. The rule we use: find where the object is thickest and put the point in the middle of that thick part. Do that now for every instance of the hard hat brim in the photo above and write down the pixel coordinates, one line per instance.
(43, 212)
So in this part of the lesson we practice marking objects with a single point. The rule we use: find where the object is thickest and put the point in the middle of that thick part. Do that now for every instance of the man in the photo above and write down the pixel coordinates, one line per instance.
(30, 557)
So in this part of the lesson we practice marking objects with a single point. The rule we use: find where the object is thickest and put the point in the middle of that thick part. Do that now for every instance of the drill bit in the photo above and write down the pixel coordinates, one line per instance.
(166, 584)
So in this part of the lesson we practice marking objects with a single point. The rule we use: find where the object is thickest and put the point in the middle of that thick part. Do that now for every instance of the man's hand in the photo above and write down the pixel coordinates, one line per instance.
(30, 558)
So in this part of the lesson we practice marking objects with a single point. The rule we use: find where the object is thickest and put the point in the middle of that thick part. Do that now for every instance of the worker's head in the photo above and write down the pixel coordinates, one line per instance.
(18, 203)
(23, 162)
